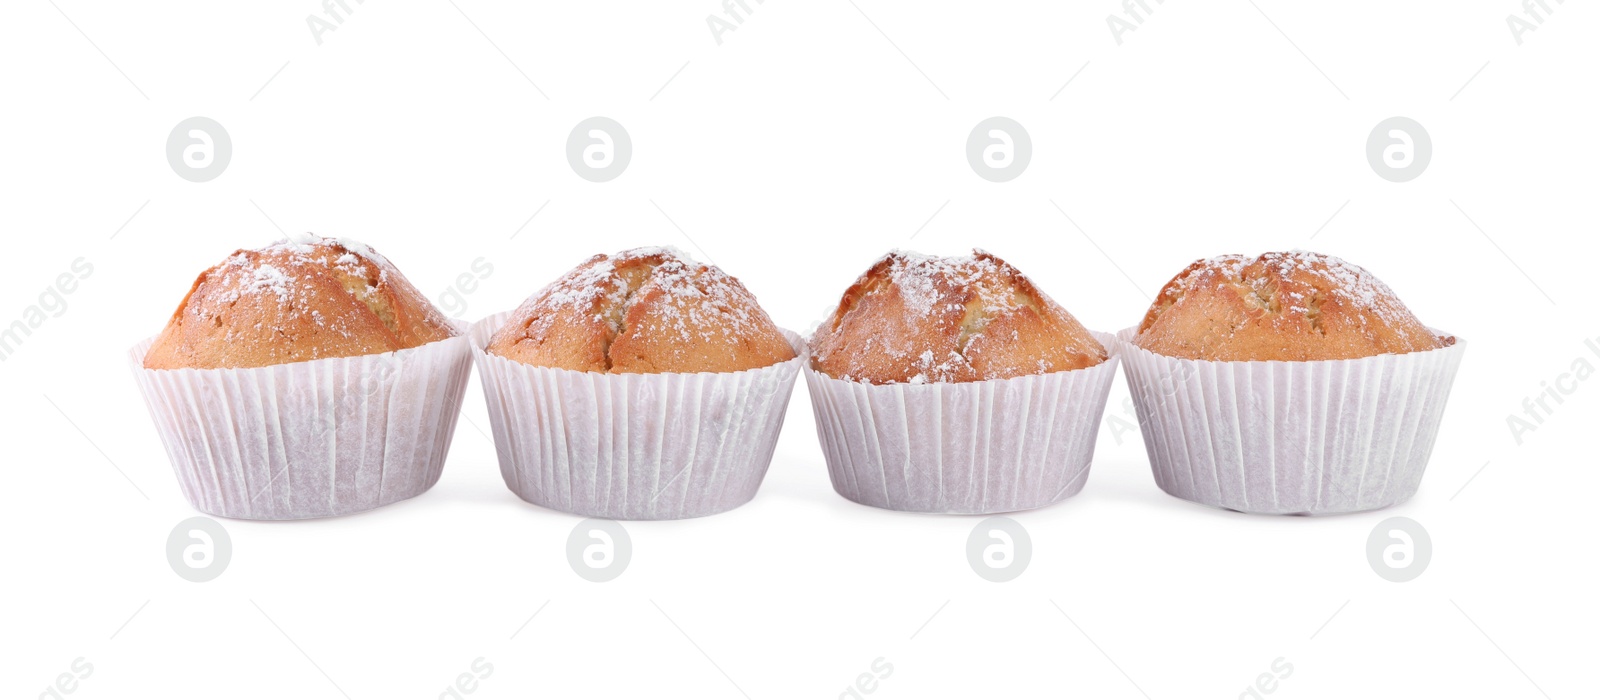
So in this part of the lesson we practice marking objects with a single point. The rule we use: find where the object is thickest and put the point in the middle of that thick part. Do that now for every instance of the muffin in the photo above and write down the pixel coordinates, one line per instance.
(305, 379)
(293, 301)
(1292, 383)
(638, 386)
(1296, 306)
(643, 311)
(954, 385)
(916, 318)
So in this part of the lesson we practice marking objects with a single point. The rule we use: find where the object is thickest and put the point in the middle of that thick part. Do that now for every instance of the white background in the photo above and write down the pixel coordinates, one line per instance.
(792, 155)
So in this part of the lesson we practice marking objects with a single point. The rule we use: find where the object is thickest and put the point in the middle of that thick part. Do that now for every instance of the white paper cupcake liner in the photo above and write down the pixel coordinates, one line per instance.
(970, 447)
(633, 446)
(1312, 438)
(308, 439)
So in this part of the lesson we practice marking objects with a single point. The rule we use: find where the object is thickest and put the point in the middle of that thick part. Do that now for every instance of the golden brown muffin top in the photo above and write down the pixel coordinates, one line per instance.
(916, 319)
(1296, 306)
(305, 298)
(642, 311)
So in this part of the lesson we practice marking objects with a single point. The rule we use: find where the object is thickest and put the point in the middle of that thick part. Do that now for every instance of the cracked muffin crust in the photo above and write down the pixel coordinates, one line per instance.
(1296, 306)
(642, 311)
(916, 319)
(303, 298)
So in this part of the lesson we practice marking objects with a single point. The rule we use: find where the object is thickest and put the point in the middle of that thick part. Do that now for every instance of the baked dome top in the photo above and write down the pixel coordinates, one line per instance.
(917, 318)
(642, 311)
(305, 298)
(1296, 306)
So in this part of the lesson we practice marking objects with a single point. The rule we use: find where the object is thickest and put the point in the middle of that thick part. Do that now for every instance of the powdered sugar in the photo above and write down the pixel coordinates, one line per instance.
(918, 318)
(919, 278)
(1293, 305)
(363, 250)
(708, 302)
(688, 300)
(1364, 288)
(1327, 275)
(580, 288)
(270, 278)
(277, 270)
(264, 271)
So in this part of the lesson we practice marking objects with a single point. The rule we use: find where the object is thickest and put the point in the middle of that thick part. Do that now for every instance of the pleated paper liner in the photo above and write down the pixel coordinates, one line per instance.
(633, 446)
(309, 439)
(971, 447)
(1312, 438)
